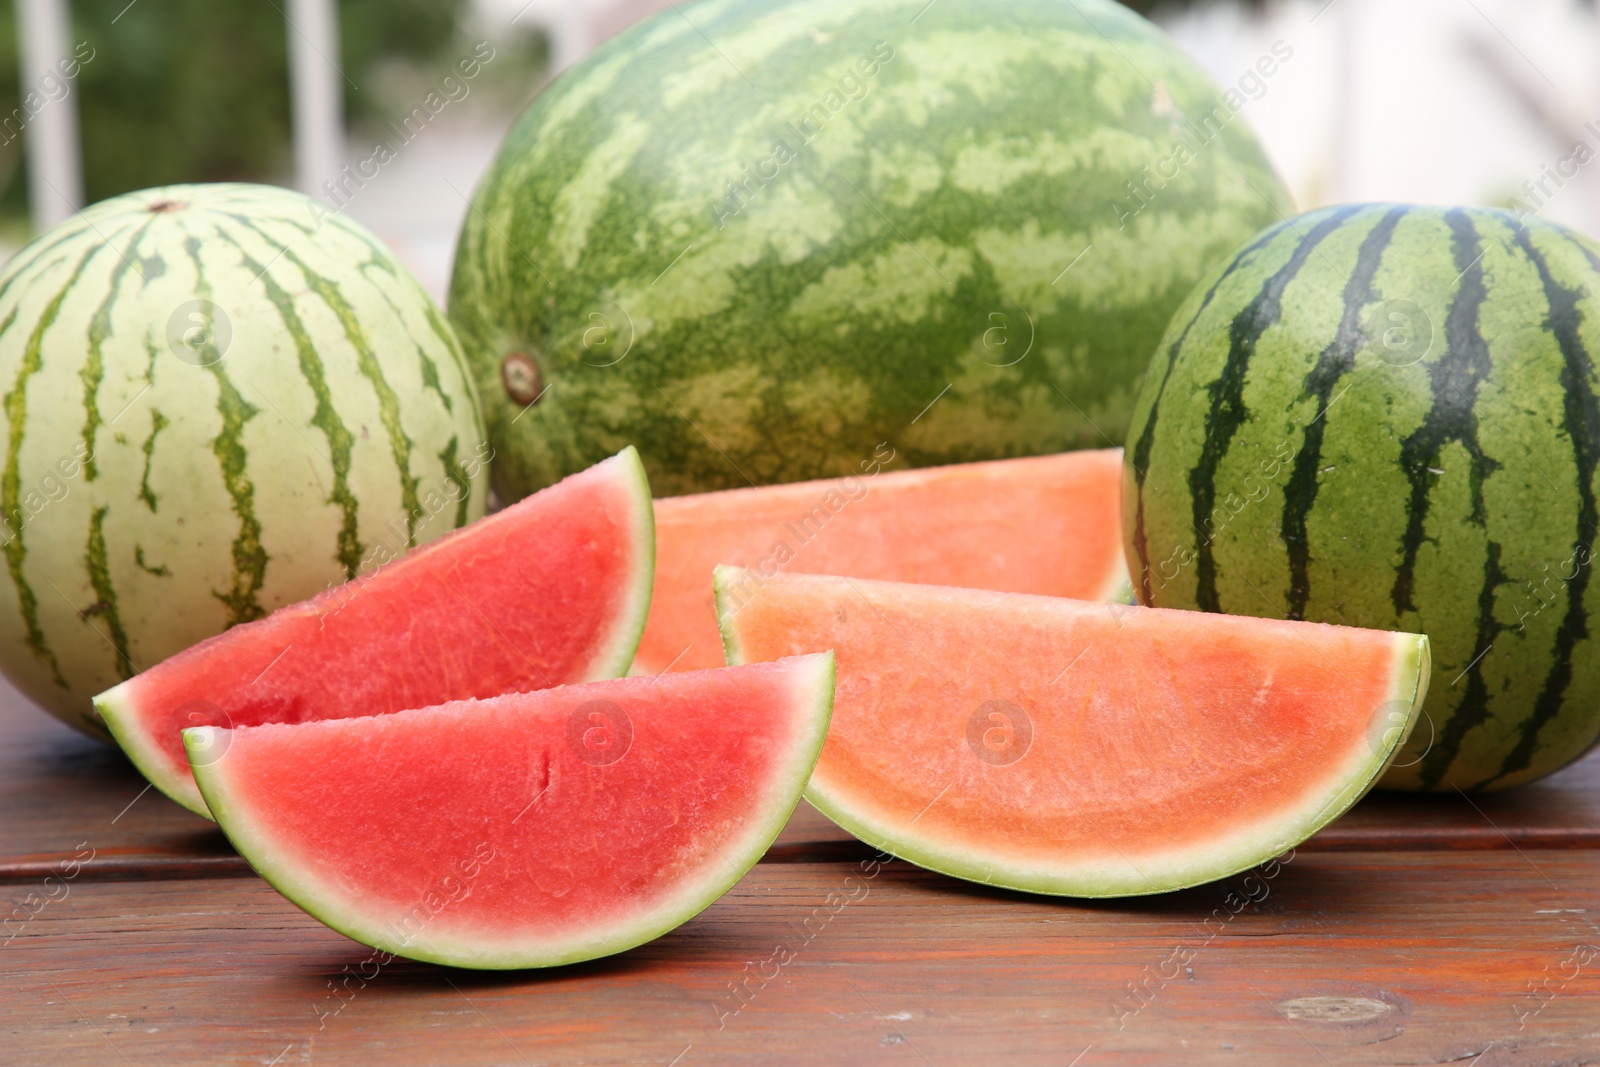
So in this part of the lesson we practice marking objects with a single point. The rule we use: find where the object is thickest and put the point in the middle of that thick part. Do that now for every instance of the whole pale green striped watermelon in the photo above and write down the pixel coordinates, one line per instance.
(218, 399)
(759, 238)
(1387, 416)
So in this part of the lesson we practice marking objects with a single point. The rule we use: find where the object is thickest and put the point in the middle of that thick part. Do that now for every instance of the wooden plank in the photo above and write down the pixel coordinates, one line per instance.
(1354, 958)
(61, 791)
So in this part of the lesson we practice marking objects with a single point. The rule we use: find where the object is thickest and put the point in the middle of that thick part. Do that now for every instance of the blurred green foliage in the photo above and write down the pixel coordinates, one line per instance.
(198, 90)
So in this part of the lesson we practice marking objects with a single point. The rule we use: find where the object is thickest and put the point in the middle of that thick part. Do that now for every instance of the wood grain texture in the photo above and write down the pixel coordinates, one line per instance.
(1354, 958)
(61, 792)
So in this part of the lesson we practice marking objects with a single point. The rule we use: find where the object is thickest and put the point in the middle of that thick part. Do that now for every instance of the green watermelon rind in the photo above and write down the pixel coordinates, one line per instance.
(614, 660)
(1292, 454)
(871, 273)
(120, 715)
(156, 493)
(611, 660)
(1412, 669)
(304, 894)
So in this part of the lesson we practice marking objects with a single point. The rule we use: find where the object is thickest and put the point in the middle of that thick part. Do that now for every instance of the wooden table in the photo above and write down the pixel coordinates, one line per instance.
(1418, 930)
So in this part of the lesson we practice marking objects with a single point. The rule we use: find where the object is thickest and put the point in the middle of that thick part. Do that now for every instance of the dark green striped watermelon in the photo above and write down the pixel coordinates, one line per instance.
(218, 399)
(758, 238)
(1387, 416)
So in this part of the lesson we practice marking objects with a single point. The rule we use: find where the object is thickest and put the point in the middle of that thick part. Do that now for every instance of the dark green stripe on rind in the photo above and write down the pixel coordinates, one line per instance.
(105, 605)
(16, 405)
(93, 369)
(447, 337)
(160, 570)
(377, 255)
(1454, 379)
(325, 416)
(453, 471)
(1227, 410)
(158, 422)
(72, 544)
(22, 265)
(1396, 489)
(91, 374)
(1333, 363)
(458, 477)
(152, 352)
(1580, 418)
(430, 378)
(838, 301)
(400, 444)
(249, 555)
(1594, 264)
(1139, 455)
(425, 363)
(388, 403)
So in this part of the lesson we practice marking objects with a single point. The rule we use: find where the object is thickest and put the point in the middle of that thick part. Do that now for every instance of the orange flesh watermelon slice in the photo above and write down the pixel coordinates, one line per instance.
(530, 829)
(552, 590)
(1068, 747)
(1046, 524)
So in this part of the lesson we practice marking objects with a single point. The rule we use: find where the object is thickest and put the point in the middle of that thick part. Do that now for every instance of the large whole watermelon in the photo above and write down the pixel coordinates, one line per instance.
(759, 238)
(218, 399)
(1387, 416)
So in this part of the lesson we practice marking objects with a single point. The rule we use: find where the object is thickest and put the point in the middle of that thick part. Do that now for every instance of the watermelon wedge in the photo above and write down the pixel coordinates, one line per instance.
(1067, 747)
(530, 829)
(1045, 524)
(550, 591)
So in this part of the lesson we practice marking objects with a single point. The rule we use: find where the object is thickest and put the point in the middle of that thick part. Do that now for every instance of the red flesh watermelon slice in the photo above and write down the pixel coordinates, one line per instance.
(530, 829)
(1046, 524)
(1063, 746)
(551, 590)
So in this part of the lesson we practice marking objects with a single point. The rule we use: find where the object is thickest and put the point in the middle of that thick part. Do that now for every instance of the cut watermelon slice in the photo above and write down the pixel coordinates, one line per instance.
(551, 590)
(1062, 746)
(525, 830)
(1046, 524)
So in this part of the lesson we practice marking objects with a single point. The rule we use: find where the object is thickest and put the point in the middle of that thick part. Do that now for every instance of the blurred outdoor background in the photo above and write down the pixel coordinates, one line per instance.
(1445, 101)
